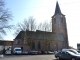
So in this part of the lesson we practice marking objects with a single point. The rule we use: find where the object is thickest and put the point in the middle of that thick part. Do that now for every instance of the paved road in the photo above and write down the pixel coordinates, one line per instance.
(28, 57)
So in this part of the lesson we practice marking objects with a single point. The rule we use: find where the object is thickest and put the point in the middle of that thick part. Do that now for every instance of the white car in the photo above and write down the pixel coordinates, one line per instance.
(17, 51)
(1, 56)
(25, 52)
(8, 52)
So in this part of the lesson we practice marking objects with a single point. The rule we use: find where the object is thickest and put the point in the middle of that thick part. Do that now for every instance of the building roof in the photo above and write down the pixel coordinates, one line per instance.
(57, 9)
(7, 40)
(20, 35)
(2, 42)
(40, 35)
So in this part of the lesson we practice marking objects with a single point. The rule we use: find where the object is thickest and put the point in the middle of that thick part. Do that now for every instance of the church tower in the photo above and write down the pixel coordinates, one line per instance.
(59, 23)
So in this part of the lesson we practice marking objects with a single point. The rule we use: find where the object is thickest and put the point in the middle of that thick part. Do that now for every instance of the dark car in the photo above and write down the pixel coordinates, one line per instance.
(67, 55)
(44, 52)
(39, 52)
(57, 54)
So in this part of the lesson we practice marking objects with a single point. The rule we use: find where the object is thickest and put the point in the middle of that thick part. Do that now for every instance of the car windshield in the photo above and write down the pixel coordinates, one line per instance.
(17, 49)
(74, 51)
(59, 52)
(78, 51)
(8, 50)
(71, 53)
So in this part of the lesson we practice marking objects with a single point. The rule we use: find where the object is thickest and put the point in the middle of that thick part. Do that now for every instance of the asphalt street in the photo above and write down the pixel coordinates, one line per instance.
(28, 57)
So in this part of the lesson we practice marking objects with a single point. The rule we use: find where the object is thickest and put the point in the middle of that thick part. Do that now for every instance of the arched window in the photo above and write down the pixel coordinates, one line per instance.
(62, 20)
(33, 45)
(54, 20)
(39, 45)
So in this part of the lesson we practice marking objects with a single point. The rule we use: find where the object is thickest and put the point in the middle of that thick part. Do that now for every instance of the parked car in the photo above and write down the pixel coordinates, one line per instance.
(1, 55)
(67, 55)
(55, 52)
(44, 52)
(8, 52)
(33, 52)
(50, 52)
(25, 52)
(39, 52)
(78, 51)
(17, 50)
(72, 50)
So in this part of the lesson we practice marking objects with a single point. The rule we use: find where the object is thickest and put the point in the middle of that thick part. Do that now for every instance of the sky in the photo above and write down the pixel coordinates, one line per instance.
(43, 10)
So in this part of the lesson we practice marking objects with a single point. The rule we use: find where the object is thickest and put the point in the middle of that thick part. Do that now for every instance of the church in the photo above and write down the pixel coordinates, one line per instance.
(42, 40)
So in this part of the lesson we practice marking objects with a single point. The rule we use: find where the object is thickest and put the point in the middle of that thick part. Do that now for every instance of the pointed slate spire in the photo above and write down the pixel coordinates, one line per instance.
(57, 9)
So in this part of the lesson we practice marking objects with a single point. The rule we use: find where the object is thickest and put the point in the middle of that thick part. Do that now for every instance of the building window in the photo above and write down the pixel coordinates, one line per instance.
(33, 45)
(62, 20)
(54, 20)
(39, 45)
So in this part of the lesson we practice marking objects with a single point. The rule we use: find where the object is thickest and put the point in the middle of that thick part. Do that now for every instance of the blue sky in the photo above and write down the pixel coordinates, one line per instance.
(20, 9)
(43, 10)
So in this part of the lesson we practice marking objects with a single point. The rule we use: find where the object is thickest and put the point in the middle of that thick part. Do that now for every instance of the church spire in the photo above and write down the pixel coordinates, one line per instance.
(57, 9)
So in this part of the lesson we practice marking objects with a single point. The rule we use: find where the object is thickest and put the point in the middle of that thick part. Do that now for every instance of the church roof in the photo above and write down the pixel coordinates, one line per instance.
(40, 35)
(57, 9)
(20, 35)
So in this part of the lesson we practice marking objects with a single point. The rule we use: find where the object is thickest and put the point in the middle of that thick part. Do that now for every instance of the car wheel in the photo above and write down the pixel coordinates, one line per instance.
(73, 59)
(58, 58)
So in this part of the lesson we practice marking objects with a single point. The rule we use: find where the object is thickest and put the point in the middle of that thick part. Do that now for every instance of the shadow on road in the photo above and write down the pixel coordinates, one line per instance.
(54, 59)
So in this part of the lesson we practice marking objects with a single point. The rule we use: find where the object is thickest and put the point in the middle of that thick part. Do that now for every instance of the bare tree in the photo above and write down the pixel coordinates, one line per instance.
(40, 26)
(27, 24)
(5, 16)
(32, 24)
(46, 26)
